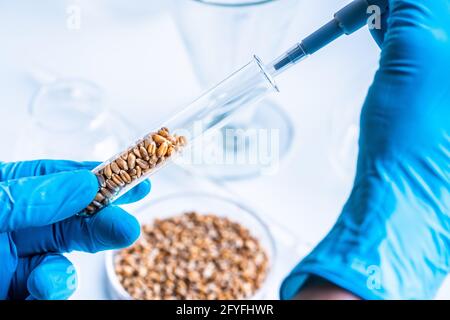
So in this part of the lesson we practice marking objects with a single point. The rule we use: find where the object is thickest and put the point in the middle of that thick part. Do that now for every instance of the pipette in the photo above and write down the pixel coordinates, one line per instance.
(216, 107)
(346, 21)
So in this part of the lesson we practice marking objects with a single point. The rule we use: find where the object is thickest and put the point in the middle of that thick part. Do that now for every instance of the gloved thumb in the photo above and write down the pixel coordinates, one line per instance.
(43, 200)
(43, 277)
(54, 278)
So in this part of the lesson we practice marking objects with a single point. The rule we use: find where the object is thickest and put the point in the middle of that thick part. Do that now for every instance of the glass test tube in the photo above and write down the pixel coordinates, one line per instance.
(208, 113)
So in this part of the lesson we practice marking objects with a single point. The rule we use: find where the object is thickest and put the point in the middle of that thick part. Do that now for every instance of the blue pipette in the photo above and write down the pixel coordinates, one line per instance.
(346, 21)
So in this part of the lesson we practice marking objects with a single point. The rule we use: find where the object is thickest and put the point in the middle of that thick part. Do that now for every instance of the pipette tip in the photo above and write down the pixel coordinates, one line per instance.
(287, 59)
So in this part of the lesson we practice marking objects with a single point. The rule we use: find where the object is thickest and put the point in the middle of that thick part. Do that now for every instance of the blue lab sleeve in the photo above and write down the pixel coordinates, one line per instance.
(392, 239)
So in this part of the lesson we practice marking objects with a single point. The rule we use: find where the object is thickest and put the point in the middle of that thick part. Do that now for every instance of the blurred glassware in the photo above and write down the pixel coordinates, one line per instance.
(220, 36)
(137, 11)
(68, 120)
(343, 132)
(343, 149)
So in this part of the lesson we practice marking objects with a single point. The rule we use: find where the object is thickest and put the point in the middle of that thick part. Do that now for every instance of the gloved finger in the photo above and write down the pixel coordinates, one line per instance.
(416, 29)
(15, 170)
(135, 194)
(42, 239)
(38, 201)
(414, 56)
(110, 228)
(8, 263)
(44, 277)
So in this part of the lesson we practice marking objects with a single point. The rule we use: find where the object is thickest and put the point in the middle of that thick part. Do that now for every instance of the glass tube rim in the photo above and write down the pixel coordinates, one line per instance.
(266, 74)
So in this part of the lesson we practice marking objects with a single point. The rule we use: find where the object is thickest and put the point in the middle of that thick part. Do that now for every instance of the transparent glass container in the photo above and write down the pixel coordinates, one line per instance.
(219, 36)
(203, 203)
(188, 128)
(68, 118)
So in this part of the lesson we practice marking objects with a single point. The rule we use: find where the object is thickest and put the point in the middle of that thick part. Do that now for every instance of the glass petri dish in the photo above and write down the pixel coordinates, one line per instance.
(204, 203)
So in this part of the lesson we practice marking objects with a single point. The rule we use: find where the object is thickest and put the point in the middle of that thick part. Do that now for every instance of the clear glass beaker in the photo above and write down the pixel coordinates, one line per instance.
(219, 36)
(195, 123)
(68, 119)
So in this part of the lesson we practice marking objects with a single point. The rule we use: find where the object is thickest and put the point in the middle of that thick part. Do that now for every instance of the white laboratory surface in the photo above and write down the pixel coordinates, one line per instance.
(135, 54)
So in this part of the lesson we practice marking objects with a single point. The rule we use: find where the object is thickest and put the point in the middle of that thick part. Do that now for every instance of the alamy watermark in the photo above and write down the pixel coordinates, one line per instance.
(72, 279)
(232, 146)
(73, 17)
(374, 21)
(373, 277)
(373, 273)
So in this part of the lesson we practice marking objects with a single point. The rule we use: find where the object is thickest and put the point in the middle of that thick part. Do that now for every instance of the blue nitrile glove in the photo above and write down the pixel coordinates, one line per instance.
(392, 240)
(38, 203)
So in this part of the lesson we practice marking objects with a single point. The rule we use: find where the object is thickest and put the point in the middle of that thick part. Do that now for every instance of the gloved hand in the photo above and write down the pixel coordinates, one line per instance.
(392, 240)
(38, 203)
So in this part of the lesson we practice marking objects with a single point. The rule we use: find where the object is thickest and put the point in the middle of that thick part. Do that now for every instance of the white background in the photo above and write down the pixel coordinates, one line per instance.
(117, 47)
